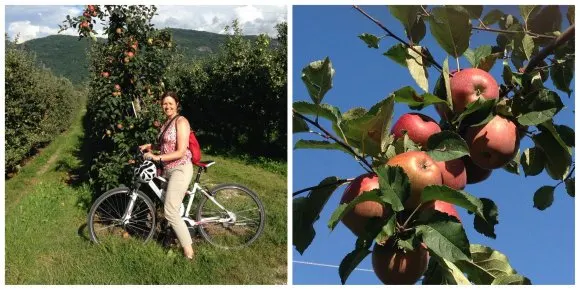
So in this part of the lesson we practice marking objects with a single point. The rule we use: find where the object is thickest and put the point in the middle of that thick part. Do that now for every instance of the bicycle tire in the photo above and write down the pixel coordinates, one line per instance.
(224, 194)
(118, 198)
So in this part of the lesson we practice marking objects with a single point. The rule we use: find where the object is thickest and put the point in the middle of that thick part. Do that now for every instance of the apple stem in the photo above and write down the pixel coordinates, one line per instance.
(359, 158)
(410, 216)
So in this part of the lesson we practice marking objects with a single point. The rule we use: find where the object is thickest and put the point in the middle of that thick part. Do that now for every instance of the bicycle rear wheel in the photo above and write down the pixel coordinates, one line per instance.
(106, 222)
(216, 224)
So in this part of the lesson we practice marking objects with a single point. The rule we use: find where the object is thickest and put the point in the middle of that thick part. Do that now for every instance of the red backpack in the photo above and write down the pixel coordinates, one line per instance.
(194, 148)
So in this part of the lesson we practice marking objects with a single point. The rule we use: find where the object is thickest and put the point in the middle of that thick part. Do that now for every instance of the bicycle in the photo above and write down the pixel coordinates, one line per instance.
(227, 214)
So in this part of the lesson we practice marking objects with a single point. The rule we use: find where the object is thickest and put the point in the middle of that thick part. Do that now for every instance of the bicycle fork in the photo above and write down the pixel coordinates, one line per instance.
(127, 215)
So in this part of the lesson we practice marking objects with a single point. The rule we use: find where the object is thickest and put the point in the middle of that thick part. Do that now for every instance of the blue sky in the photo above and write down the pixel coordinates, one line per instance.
(539, 244)
(38, 21)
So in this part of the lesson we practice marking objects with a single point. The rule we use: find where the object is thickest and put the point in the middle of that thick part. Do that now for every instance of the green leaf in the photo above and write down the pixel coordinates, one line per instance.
(398, 53)
(558, 159)
(317, 77)
(445, 237)
(315, 144)
(447, 82)
(409, 96)
(299, 125)
(417, 68)
(532, 161)
(513, 166)
(394, 186)
(344, 208)
(479, 55)
(567, 134)
(408, 16)
(486, 266)
(350, 261)
(477, 111)
(514, 279)
(474, 10)
(570, 186)
(544, 197)
(451, 28)
(486, 225)
(528, 46)
(446, 145)
(364, 132)
(326, 111)
(306, 210)
(537, 107)
(492, 17)
(548, 127)
(406, 245)
(526, 11)
(435, 274)
(388, 229)
(545, 21)
(371, 40)
(562, 75)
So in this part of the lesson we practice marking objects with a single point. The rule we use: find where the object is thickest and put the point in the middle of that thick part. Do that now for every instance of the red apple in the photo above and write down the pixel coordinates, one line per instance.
(453, 173)
(117, 87)
(130, 54)
(475, 174)
(84, 24)
(356, 219)
(443, 207)
(469, 84)
(120, 126)
(91, 8)
(119, 30)
(419, 127)
(494, 144)
(105, 74)
(86, 14)
(396, 267)
(421, 170)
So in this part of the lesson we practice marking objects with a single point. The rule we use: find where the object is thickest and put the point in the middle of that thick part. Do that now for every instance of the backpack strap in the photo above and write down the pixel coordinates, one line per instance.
(160, 139)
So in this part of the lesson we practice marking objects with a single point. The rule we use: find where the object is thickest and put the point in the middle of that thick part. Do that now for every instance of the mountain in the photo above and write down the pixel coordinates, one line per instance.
(66, 55)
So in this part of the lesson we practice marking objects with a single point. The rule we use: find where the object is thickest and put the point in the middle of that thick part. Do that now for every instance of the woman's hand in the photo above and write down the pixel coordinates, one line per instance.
(150, 156)
(146, 147)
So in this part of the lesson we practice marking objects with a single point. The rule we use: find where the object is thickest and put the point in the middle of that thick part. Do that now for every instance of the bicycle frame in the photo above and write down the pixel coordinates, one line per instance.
(184, 212)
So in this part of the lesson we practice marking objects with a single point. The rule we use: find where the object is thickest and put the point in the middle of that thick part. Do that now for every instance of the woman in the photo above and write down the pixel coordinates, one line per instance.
(176, 159)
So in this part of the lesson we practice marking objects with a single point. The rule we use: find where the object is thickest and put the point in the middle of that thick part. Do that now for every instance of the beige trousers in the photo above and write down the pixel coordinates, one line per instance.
(178, 179)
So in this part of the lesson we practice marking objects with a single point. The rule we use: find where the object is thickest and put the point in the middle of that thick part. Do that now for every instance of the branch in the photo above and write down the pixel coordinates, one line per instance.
(565, 36)
(513, 32)
(348, 148)
(341, 181)
(408, 45)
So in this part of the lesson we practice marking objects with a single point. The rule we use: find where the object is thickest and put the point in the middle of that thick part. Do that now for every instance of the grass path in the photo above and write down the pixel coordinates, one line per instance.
(46, 238)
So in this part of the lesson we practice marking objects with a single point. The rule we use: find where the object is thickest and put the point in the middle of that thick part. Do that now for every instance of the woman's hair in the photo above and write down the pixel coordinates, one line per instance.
(170, 94)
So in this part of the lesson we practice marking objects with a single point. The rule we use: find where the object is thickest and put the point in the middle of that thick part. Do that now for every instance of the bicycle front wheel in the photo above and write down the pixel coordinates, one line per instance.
(233, 219)
(108, 217)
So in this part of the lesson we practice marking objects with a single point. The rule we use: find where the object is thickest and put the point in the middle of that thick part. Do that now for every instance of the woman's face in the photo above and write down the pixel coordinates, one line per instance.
(169, 106)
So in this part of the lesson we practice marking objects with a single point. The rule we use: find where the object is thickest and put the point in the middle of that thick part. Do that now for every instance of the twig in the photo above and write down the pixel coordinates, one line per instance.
(369, 168)
(340, 181)
(565, 36)
(412, 214)
(513, 32)
(408, 45)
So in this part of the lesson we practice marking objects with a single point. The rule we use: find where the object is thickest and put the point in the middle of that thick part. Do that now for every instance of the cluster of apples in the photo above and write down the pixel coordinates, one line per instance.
(491, 146)
(91, 11)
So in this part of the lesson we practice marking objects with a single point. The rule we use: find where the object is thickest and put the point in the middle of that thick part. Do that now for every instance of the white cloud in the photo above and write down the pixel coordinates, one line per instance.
(40, 21)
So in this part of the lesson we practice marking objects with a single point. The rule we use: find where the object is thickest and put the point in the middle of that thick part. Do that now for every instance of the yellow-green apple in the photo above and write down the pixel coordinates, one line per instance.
(419, 127)
(494, 144)
(421, 170)
(393, 266)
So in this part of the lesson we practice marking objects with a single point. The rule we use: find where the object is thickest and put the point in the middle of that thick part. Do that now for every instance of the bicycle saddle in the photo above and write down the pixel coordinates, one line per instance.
(205, 164)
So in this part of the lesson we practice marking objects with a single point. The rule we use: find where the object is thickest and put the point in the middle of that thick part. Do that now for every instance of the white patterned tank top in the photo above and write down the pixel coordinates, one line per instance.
(169, 144)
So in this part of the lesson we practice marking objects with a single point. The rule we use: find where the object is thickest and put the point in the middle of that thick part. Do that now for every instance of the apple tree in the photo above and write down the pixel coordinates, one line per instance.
(128, 70)
(416, 170)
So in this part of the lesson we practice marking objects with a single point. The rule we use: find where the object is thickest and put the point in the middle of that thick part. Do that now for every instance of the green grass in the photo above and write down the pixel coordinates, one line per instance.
(47, 242)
